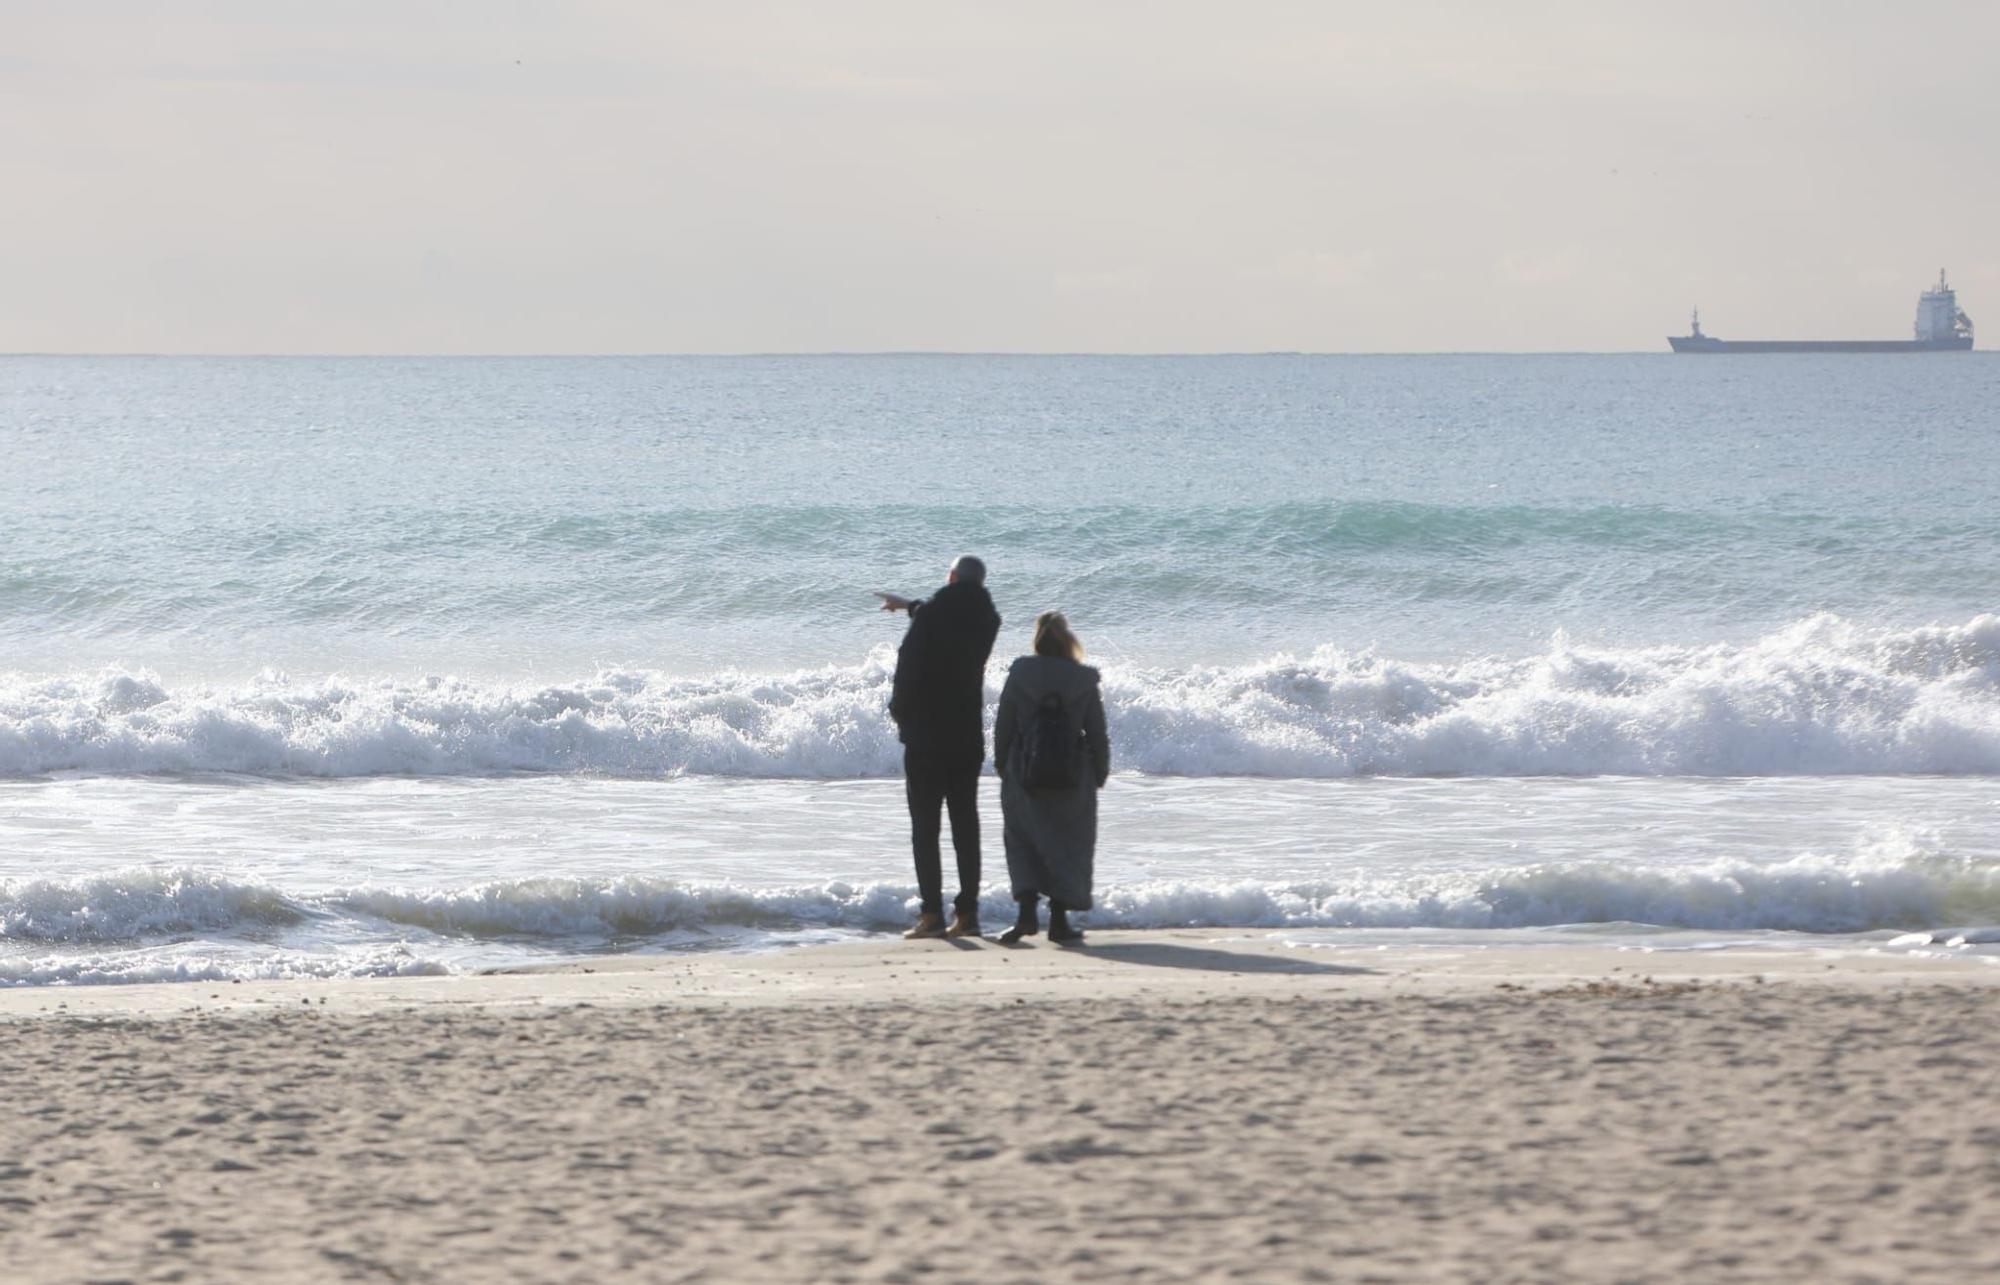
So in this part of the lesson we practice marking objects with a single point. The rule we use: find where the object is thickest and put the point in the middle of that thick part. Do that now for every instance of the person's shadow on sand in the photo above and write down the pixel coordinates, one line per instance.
(1168, 955)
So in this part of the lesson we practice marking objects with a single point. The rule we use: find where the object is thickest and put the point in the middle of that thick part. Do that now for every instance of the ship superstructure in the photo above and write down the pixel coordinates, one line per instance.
(1939, 319)
(1941, 327)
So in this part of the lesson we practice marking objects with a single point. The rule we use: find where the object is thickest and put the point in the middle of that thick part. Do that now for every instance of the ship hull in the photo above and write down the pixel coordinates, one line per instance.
(1703, 344)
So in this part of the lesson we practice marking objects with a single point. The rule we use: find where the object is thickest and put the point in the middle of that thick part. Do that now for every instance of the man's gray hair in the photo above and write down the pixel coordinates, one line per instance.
(968, 569)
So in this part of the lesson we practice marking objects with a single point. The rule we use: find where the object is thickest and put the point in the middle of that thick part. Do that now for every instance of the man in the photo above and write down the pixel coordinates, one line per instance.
(939, 702)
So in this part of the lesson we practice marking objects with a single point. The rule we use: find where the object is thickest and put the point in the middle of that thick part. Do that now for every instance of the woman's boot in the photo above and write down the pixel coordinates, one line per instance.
(1026, 925)
(1060, 931)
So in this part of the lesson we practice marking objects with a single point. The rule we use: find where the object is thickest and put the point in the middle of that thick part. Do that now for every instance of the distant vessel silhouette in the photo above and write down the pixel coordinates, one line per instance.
(1941, 327)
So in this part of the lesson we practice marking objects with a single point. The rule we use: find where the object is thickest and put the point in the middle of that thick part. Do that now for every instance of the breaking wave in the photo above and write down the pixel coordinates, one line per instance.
(139, 903)
(1896, 885)
(1809, 894)
(1823, 696)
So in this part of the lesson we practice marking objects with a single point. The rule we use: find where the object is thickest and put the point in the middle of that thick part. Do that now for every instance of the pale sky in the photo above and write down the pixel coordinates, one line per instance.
(485, 176)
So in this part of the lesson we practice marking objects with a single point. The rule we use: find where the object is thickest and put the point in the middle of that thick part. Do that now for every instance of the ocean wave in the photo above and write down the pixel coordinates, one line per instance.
(1823, 696)
(1897, 885)
(138, 903)
(630, 906)
(552, 570)
(1811, 894)
(143, 966)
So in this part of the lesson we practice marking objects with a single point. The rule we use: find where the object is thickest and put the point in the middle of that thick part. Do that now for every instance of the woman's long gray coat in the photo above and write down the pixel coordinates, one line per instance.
(1050, 834)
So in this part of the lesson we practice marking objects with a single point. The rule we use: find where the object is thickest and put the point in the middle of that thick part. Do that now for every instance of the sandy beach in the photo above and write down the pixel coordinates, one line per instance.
(1161, 1107)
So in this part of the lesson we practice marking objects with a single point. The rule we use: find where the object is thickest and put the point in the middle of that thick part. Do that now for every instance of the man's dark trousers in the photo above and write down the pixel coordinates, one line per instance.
(931, 783)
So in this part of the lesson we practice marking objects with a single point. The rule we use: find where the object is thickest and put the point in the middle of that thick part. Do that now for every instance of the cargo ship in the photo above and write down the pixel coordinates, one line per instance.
(1941, 327)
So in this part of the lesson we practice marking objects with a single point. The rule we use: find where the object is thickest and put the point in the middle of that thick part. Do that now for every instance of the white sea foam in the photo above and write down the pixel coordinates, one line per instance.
(1896, 885)
(138, 903)
(1823, 696)
(139, 966)
(627, 906)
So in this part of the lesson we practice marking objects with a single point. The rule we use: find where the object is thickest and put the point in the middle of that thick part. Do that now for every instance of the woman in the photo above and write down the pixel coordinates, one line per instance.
(1052, 755)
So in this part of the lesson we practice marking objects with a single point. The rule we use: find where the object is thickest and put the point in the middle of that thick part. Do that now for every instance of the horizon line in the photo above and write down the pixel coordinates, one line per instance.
(857, 352)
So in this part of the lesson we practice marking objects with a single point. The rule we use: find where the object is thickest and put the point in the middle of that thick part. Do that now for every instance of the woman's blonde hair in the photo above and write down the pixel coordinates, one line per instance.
(1053, 638)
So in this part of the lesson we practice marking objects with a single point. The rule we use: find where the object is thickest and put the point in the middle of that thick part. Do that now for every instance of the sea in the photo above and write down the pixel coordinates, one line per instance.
(368, 666)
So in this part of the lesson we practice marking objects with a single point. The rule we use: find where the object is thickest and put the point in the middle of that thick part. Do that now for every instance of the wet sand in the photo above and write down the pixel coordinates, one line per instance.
(1161, 1107)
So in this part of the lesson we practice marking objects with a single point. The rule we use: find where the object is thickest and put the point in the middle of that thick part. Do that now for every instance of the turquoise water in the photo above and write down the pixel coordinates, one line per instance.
(506, 516)
(228, 586)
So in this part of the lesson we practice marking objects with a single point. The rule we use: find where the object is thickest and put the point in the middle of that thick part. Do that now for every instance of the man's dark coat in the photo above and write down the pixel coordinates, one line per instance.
(939, 698)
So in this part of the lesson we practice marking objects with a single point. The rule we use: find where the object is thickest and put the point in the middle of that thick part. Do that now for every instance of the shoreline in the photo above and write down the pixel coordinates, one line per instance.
(1167, 964)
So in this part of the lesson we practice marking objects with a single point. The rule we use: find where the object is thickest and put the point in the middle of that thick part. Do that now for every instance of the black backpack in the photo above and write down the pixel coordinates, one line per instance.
(1049, 750)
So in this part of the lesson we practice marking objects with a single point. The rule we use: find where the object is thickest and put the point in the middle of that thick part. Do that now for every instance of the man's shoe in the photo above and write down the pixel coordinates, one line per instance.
(927, 925)
(1061, 931)
(963, 925)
